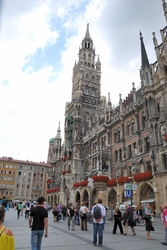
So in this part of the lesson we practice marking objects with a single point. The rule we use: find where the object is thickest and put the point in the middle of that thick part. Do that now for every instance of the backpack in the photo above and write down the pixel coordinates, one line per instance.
(97, 212)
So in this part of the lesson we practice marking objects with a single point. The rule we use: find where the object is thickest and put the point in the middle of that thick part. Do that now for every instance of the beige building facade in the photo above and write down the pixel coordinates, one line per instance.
(23, 180)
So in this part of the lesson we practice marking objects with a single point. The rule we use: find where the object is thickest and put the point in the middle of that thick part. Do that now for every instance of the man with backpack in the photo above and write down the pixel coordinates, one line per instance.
(98, 212)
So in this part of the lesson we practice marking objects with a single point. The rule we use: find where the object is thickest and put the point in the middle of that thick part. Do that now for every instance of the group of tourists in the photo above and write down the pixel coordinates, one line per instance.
(128, 219)
(38, 222)
(73, 215)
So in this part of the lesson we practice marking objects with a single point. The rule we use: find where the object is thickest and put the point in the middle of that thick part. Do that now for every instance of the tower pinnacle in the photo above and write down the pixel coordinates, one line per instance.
(144, 58)
(87, 35)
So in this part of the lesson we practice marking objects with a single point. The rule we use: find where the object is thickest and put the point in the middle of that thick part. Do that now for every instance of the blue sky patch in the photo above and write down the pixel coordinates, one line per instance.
(5, 82)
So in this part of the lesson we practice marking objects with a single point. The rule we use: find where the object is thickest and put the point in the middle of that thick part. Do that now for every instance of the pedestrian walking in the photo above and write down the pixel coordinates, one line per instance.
(83, 215)
(98, 213)
(77, 215)
(104, 218)
(164, 216)
(23, 208)
(55, 213)
(147, 216)
(59, 212)
(27, 210)
(38, 221)
(71, 215)
(64, 212)
(117, 220)
(19, 208)
(128, 220)
(6, 235)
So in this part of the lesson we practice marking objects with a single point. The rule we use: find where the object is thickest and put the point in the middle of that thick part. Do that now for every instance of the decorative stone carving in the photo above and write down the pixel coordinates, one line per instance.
(163, 133)
(118, 173)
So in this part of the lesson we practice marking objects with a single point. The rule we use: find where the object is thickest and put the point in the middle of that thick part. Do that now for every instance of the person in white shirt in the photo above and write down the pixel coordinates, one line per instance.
(98, 223)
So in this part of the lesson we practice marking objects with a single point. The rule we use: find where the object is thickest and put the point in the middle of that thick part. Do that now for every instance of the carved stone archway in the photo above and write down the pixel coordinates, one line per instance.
(94, 196)
(146, 192)
(85, 197)
(112, 198)
(77, 197)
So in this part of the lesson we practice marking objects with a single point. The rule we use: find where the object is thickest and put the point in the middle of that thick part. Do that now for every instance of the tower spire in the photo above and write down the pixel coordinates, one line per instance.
(58, 136)
(109, 100)
(87, 35)
(144, 58)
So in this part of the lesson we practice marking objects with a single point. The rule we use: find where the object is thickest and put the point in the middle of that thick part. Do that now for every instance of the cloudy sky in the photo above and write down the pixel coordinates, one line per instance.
(39, 43)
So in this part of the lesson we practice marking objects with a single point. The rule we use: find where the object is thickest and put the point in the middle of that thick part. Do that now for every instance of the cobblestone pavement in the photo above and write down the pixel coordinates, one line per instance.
(60, 238)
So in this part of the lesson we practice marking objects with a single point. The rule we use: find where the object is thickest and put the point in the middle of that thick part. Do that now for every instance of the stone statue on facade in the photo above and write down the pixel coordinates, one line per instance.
(118, 173)
(163, 133)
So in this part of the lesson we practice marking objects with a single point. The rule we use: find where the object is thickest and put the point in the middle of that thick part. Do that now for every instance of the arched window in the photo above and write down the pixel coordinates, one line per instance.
(79, 110)
(93, 78)
(115, 136)
(87, 76)
(86, 90)
(87, 116)
(158, 109)
(133, 129)
(165, 70)
(119, 134)
(93, 92)
(143, 120)
(147, 79)
(84, 55)
(128, 129)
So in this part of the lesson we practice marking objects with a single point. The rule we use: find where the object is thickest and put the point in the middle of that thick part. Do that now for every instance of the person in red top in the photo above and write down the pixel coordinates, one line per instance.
(38, 221)
(164, 216)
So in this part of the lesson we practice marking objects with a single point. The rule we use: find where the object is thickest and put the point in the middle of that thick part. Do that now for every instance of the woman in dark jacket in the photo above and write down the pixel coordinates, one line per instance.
(117, 220)
(129, 220)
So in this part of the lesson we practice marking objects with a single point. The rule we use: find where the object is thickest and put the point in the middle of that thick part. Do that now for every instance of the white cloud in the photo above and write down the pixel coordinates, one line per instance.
(32, 102)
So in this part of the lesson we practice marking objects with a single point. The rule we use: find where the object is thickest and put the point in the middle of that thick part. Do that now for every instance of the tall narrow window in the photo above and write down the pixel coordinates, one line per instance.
(93, 92)
(165, 161)
(129, 151)
(147, 79)
(133, 129)
(86, 90)
(143, 120)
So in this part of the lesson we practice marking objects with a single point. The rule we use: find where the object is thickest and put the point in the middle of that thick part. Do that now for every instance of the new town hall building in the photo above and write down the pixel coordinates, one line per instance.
(106, 147)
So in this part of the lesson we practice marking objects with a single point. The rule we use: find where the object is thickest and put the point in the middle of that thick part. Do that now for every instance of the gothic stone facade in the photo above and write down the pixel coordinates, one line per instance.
(113, 146)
